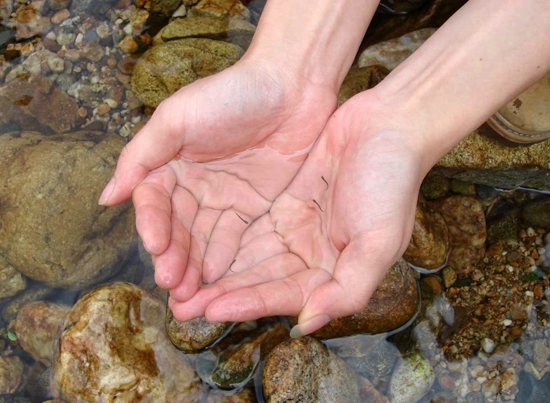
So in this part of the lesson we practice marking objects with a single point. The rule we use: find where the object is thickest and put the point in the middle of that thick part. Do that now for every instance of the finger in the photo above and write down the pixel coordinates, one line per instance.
(259, 227)
(152, 202)
(286, 296)
(359, 269)
(258, 250)
(156, 144)
(276, 268)
(201, 230)
(170, 265)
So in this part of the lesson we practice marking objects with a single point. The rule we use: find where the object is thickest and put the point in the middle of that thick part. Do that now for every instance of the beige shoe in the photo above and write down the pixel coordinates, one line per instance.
(526, 119)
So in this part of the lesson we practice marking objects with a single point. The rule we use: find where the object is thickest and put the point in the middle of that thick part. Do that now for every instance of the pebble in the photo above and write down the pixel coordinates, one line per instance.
(540, 353)
(488, 345)
(111, 102)
(103, 109)
(65, 38)
(180, 12)
(128, 45)
(449, 276)
(60, 16)
(412, 378)
(72, 54)
(56, 64)
(506, 322)
(103, 31)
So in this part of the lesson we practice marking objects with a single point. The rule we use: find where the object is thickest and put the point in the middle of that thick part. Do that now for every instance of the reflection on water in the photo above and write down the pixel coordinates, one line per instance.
(481, 334)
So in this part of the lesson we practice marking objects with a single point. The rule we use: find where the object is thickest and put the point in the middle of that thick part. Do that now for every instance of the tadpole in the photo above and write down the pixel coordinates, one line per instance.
(315, 201)
(324, 180)
(246, 222)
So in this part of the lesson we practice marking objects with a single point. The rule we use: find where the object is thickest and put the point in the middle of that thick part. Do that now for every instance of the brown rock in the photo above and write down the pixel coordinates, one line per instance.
(233, 30)
(304, 370)
(126, 64)
(220, 8)
(194, 335)
(11, 374)
(56, 181)
(165, 68)
(37, 104)
(429, 244)
(166, 7)
(128, 45)
(465, 219)
(433, 284)
(113, 346)
(35, 292)
(36, 327)
(435, 185)
(394, 302)
(58, 4)
(6, 8)
(11, 281)
(359, 80)
(244, 396)
(31, 23)
(60, 16)
(93, 51)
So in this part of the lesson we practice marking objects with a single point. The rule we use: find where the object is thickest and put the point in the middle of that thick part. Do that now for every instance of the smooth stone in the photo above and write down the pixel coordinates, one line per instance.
(394, 302)
(166, 7)
(412, 378)
(12, 372)
(165, 68)
(36, 292)
(36, 327)
(304, 370)
(220, 8)
(194, 335)
(11, 281)
(121, 327)
(537, 213)
(360, 79)
(56, 181)
(232, 30)
(393, 52)
(429, 244)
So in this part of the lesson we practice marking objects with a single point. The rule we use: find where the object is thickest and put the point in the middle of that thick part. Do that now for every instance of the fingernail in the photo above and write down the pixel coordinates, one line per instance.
(104, 198)
(309, 326)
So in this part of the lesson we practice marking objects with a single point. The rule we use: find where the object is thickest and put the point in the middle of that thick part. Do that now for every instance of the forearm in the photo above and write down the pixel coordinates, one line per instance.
(315, 41)
(483, 56)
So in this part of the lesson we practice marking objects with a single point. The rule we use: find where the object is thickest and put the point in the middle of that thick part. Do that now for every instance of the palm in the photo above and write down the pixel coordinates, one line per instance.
(235, 141)
(329, 237)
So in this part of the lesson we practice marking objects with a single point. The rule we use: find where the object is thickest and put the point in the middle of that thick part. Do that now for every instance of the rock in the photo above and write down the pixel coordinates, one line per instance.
(165, 68)
(435, 186)
(432, 14)
(36, 292)
(220, 8)
(488, 345)
(429, 244)
(304, 370)
(537, 213)
(449, 277)
(180, 12)
(40, 387)
(36, 327)
(91, 6)
(93, 51)
(60, 16)
(6, 8)
(244, 396)
(120, 327)
(55, 181)
(57, 5)
(128, 45)
(393, 52)
(37, 104)
(541, 352)
(463, 188)
(231, 363)
(16, 399)
(31, 23)
(11, 281)
(166, 7)
(400, 6)
(483, 158)
(465, 219)
(35, 65)
(232, 30)
(503, 223)
(412, 378)
(194, 335)
(392, 305)
(11, 374)
(359, 80)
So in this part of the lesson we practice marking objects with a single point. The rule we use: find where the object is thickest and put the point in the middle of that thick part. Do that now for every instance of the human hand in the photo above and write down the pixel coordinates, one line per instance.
(329, 238)
(213, 157)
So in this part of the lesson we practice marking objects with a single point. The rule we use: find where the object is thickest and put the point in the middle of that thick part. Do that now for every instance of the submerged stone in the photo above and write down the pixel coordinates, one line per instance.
(435, 186)
(113, 346)
(55, 181)
(11, 281)
(537, 213)
(11, 374)
(392, 305)
(36, 292)
(220, 8)
(411, 380)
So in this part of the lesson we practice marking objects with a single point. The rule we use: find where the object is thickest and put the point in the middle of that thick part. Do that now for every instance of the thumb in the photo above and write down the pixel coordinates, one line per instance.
(156, 144)
(359, 270)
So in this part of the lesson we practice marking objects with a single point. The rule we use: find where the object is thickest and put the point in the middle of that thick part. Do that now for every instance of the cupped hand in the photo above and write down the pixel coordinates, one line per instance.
(330, 237)
(211, 160)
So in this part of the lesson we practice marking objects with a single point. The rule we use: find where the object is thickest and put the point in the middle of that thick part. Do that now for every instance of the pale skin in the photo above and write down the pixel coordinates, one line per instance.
(225, 200)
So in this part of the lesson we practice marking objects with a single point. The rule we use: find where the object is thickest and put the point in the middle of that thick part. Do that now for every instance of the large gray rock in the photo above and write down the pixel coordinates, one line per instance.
(113, 346)
(51, 228)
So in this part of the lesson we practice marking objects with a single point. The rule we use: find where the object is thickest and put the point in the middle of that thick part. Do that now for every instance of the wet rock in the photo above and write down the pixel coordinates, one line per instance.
(304, 370)
(165, 68)
(57, 4)
(11, 281)
(31, 23)
(121, 327)
(400, 6)
(394, 302)
(56, 181)
(36, 327)
(166, 7)
(220, 8)
(11, 374)
(429, 244)
(463, 188)
(467, 228)
(93, 51)
(34, 65)
(537, 213)
(36, 292)
(232, 30)
(128, 45)
(435, 186)
(231, 363)
(359, 80)
(503, 224)
(194, 335)
(412, 379)
(37, 104)
(393, 52)
(244, 396)
(6, 8)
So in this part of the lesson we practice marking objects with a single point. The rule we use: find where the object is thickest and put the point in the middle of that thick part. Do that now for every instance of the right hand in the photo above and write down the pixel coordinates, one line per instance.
(211, 160)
